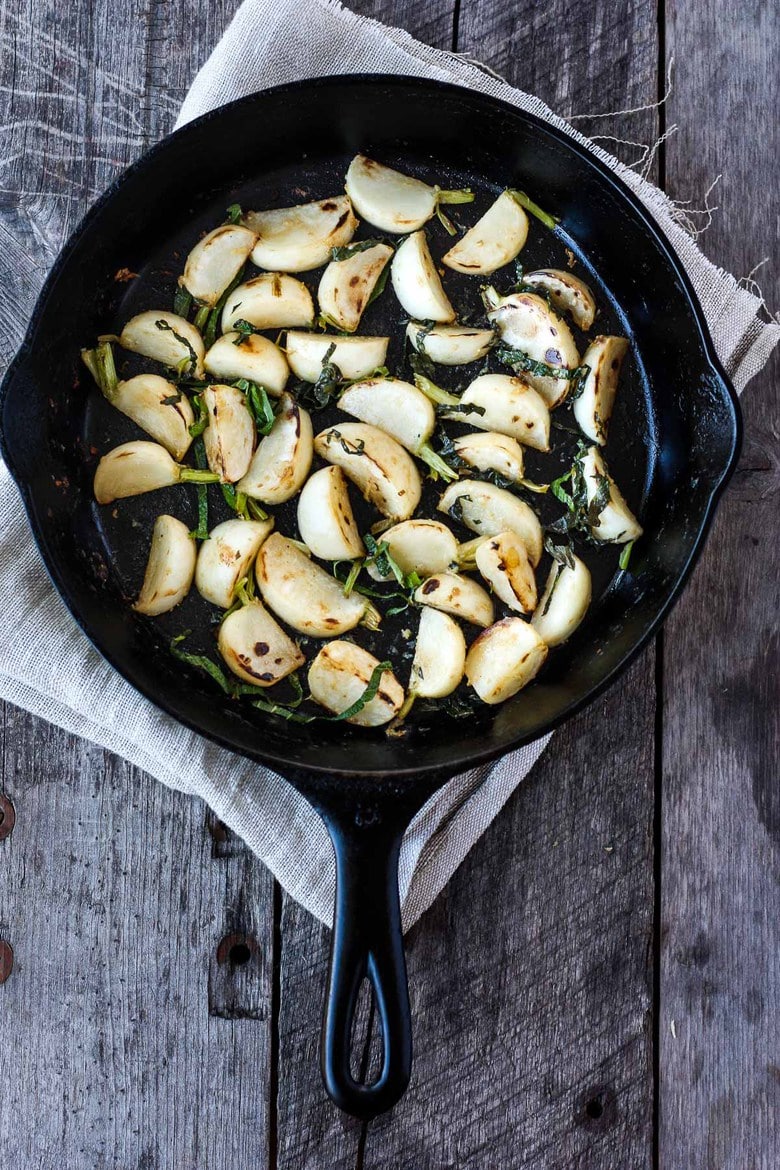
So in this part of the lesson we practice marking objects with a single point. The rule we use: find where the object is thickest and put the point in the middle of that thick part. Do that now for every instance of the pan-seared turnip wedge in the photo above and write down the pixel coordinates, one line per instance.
(378, 466)
(229, 437)
(297, 239)
(137, 467)
(401, 411)
(282, 460)
(593, 408)
(504, 659)
(458, 596)
(539, 342)
(491, 451)
(502, 402)
(418, 546)
(392, 201)
(166, 338)
(616, 524)
(169, 569)
(354, 357)
(325, 519)
(493, 241)
(439, 656)
(227, 557)
(348, 283)
(250, 356)
(504, 563)
(269, 301)
(564, 602)
(216, 261)
(341, 679)
(450, 345)
(256, 648)
(306, 597)
(416, 282)
(567, 292)
(153, 403)
(488, 510)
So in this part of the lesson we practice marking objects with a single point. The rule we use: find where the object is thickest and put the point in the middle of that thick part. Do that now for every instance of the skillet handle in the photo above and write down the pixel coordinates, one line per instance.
(367, 942)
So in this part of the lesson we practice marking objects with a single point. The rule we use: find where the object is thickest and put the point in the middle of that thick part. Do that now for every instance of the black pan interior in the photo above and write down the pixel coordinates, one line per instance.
(673, 438)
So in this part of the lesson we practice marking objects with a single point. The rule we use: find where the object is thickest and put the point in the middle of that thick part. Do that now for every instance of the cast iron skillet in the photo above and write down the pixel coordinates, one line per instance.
(674, 443)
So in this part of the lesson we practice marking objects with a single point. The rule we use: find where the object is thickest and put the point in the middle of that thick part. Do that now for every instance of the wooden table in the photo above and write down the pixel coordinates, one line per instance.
(599, 985)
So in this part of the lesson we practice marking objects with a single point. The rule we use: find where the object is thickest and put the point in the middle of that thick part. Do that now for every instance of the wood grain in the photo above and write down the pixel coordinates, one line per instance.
(114, 905)
(121, 1029)
(719, 1019)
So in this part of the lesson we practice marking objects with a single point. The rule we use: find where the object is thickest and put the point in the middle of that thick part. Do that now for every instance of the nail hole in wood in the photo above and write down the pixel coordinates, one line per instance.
(7, 817)
(236, 950)
(6, 960)
(597, 1108)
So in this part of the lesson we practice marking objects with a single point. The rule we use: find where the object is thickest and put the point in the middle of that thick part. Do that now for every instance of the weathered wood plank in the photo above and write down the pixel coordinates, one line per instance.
(122, 1027)
(720, 960)
(114, 906)
(530, 977)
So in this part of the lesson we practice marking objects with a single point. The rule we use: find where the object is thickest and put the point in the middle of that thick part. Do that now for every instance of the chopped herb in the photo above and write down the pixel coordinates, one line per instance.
(259, 404)
(202, 416)
(559, 548)
(383, 560)
(558, 574)
(182, 302)
(379, 286)
(233, 213)
(200, 661)
(236, 500)
(518, 359)
(557, 489)
(190, 362)
(357, 448)
(202, 531)
(549, 221)
(171, 399)
(349, 250)
(456, 510)
(286, 712)
(421, 365)
(368, 693)
(243, 328)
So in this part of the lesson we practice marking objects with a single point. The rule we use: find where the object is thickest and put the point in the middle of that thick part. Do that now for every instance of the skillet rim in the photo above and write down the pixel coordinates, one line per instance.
(294, 771)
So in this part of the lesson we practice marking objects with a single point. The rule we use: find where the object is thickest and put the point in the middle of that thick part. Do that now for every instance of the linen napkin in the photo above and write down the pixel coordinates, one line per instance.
(270, 42)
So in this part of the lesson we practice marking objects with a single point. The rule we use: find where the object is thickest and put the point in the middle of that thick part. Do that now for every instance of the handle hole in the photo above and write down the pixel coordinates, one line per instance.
(366, 1047)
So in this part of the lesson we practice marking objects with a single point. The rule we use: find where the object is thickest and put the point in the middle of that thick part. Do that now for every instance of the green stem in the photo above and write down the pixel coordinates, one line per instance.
(406, 707)
(467, 550)
(549, 221)
(100, 363)
(372, 618)
(539, 488)
(201, 317)
(464, 195)
(195, 475)
(434, 392)
(426, 452)
(352, 576)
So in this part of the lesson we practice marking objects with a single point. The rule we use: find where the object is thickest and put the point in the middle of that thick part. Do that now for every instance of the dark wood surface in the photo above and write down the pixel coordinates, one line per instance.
(598, 985)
